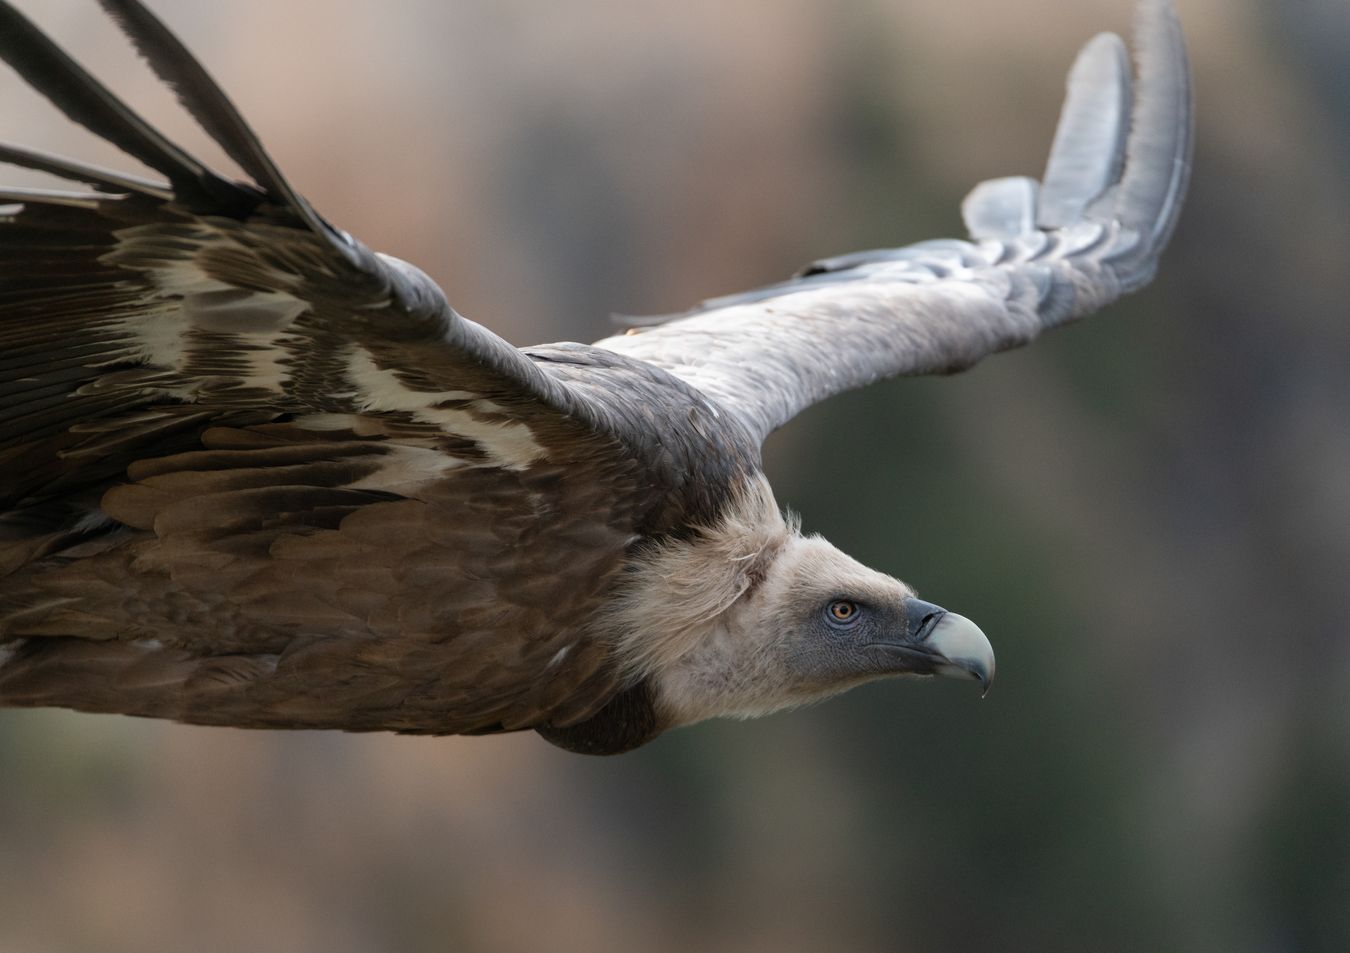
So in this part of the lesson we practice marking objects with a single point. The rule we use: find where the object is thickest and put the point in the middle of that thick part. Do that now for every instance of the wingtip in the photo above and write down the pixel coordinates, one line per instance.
(216, 114)
(1161, 143)
(1122, 148)
(52, 73)
(1121, 154)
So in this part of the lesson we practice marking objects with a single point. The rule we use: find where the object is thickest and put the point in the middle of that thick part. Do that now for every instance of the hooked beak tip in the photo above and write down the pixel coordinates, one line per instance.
(965, 649)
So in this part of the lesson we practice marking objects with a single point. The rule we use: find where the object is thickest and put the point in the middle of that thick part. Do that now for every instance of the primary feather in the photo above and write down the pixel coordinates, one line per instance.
(254, 474)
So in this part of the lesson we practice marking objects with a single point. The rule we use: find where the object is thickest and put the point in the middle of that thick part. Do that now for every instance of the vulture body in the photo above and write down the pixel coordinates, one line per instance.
(254, 474)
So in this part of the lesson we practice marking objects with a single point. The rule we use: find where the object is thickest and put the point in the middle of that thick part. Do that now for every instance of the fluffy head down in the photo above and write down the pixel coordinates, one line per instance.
(676, 591)
(736, 621)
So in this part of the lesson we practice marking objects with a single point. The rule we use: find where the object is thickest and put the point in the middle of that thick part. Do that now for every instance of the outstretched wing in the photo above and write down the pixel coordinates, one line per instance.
(1040, 254)
(253, 473)
(135, 306)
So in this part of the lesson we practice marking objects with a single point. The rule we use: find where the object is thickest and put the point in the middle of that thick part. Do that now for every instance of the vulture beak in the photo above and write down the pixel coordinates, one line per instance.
(951, 644)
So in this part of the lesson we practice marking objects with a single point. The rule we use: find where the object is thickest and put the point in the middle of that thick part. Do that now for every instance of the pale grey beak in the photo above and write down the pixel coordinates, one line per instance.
(966, 651)
(938, 642)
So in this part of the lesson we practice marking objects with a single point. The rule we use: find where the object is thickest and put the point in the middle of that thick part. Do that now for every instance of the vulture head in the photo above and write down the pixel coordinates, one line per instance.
(752, 617)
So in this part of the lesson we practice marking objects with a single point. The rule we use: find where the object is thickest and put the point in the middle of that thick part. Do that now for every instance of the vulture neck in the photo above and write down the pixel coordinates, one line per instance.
(675, 623)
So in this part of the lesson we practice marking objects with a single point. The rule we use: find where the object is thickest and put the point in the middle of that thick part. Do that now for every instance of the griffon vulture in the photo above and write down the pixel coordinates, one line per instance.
(253, 473)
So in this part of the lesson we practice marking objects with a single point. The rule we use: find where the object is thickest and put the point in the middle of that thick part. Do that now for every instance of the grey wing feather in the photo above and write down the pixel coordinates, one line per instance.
(1089, 147)
(1158, 155)
(1002, 208)
(1043, 254)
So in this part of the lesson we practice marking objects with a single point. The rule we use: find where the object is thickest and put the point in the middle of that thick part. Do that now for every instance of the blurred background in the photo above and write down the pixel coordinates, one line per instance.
(1149, 513)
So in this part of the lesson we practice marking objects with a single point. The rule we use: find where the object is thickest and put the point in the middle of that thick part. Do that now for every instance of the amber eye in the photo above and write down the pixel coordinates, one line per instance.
(842, 612)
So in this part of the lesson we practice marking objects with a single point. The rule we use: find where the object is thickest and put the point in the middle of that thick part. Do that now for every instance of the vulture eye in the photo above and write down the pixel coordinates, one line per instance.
(842, 612)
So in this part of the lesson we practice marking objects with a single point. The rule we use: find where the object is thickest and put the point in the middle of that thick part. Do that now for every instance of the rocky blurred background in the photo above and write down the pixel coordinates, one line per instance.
(1148, 513)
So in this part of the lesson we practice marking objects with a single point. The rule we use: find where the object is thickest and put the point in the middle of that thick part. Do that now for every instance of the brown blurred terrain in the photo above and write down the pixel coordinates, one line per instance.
(1148, 513)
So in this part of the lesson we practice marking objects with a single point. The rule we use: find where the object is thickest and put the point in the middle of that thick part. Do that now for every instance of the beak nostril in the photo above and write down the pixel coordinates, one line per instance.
(927, 624)
(921, 618)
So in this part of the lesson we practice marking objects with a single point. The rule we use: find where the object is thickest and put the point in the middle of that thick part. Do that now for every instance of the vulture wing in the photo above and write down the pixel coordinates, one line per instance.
(1040, 254)
(234, 442)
